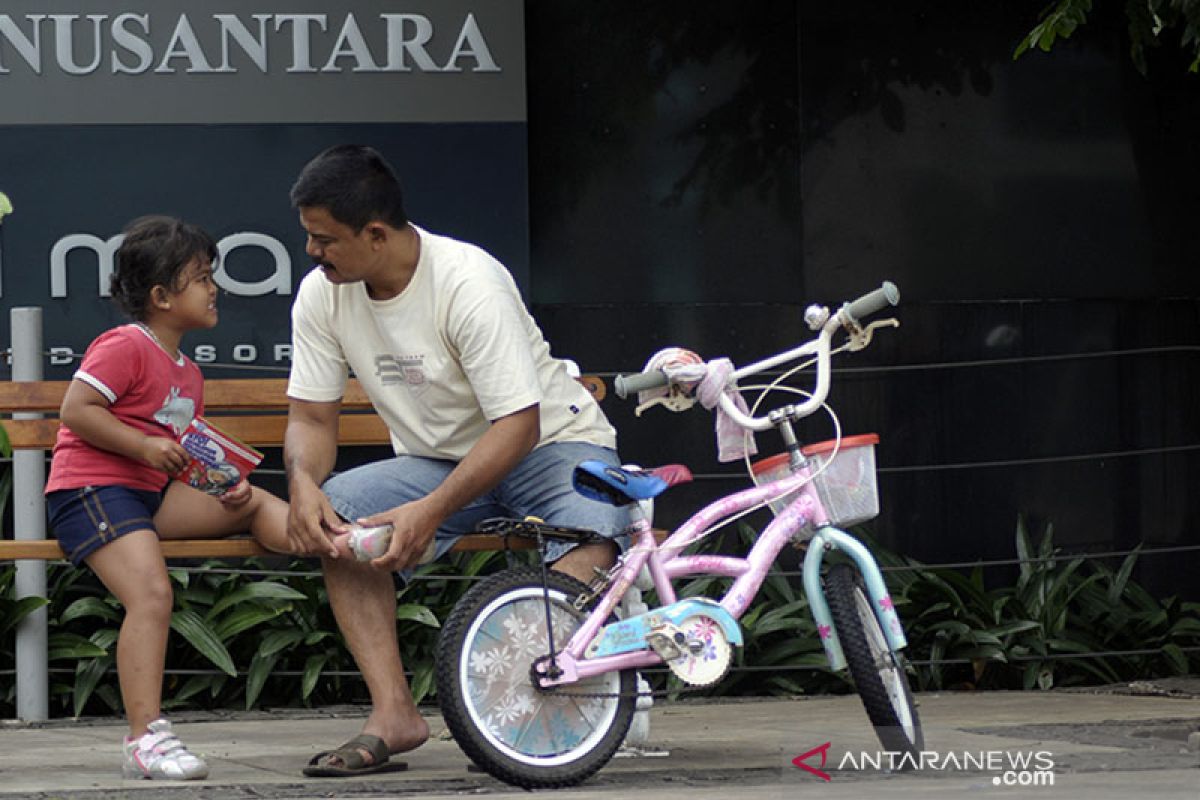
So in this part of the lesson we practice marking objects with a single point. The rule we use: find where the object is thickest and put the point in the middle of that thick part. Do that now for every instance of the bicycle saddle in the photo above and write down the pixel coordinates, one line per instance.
(620, 486)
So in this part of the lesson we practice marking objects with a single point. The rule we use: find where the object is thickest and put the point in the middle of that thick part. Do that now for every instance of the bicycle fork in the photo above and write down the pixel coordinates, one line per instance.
(824, 541)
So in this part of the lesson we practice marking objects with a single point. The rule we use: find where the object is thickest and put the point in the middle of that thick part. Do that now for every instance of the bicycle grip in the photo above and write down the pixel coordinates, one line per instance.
(625, 385)
(874, 302)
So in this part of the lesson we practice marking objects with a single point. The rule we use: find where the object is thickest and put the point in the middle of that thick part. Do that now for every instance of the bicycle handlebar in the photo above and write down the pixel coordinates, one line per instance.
(850, 316)
(873, 302)
(625, 385)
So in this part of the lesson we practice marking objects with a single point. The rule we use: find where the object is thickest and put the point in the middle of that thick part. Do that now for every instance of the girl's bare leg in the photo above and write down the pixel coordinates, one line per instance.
(132, 568)
(188, 513)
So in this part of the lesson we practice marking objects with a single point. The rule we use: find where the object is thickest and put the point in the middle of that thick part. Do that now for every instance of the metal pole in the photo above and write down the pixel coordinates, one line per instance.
(29, 519)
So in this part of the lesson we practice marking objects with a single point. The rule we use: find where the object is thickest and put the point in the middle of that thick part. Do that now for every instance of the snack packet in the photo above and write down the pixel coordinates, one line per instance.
(218, 461)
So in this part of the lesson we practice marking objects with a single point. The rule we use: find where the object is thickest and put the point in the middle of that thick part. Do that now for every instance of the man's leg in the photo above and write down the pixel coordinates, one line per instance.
(364, 598)
(364, 604)
(541, 485)
(582, 562)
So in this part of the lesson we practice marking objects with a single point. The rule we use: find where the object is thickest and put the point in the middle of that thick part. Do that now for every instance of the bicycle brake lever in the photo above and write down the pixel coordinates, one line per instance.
(859, 337)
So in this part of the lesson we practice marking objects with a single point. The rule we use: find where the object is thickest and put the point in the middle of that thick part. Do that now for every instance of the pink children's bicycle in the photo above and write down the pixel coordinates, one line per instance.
(537, 675)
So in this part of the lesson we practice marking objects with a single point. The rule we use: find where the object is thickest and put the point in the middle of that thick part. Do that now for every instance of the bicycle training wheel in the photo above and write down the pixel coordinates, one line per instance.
(516, 732)
(878, 673)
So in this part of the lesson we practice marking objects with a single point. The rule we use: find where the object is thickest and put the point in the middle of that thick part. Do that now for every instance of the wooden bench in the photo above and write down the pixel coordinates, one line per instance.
(254, 410)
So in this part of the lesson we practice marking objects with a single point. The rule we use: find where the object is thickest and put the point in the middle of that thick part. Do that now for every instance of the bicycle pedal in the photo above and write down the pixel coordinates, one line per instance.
(585, 599)
(664, 646)
(666, 640)
(596, 587)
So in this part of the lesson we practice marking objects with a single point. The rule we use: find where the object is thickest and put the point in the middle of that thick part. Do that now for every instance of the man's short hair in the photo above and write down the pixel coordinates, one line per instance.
(355, 184)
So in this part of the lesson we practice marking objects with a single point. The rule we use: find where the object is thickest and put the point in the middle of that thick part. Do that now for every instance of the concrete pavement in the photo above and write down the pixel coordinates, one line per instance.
(1004, 744)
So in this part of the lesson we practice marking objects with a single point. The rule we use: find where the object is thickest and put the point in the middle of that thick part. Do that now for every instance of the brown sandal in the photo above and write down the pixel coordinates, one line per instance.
(352, 761)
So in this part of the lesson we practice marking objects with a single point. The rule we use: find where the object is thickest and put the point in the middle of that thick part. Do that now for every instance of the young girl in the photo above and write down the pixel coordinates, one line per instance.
(109, 494)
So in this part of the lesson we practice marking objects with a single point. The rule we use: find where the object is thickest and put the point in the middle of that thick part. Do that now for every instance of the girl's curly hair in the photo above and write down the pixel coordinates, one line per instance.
(155, 252)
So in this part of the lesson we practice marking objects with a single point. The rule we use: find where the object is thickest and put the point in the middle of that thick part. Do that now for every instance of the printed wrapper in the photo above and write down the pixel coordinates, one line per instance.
(218, 461)
(370, 543)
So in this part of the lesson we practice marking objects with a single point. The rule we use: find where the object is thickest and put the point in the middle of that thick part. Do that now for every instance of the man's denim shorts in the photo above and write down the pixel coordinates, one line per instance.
(540, 485)
(84, 520)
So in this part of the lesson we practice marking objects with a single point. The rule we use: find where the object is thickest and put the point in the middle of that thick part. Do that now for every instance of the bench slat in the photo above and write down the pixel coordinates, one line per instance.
(268, 430)
(220, 394)
(31, 396)
(49, 549)
(262, 400)
(260, 430)
(268, 394)
(31, 434)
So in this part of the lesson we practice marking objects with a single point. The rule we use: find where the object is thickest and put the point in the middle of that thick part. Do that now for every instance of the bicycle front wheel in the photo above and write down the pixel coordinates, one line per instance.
(878, 673)
(516, 732)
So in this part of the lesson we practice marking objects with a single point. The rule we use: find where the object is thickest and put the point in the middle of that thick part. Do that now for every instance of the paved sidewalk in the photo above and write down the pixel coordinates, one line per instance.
(1101, 745)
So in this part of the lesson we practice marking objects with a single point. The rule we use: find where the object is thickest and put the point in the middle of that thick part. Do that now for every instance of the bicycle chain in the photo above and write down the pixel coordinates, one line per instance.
(553, 690)
(580, 603)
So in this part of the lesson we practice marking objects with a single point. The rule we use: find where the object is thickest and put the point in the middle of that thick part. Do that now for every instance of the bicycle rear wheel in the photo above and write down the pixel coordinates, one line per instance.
(514, 731)
(878, 673)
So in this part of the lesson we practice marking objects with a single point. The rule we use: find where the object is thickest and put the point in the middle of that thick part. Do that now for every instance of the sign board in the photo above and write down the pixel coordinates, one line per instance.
(111, 110)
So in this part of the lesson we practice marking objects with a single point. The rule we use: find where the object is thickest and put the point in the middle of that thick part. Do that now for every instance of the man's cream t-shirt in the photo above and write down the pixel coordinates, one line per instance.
(454, 351)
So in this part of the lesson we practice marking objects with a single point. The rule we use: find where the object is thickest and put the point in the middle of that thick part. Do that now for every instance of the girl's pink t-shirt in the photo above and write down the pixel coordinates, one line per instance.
(147, 389)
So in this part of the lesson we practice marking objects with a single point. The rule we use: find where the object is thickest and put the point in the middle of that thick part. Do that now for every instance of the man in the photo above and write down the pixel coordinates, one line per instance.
(484, 422)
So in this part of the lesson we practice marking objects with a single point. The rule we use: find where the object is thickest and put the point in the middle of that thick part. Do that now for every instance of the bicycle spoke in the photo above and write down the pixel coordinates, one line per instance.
(884, 661)
(485, 632)
(525, 729)
(485, 710)
(493, 706)
(582, 714)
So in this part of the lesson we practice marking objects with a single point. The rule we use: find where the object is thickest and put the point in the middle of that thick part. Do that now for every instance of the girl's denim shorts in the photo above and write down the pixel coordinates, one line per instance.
(84, 520)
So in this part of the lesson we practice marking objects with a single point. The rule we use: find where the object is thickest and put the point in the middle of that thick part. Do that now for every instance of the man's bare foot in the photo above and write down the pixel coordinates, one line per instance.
(402, 736)
(413, 736)
(407, 737)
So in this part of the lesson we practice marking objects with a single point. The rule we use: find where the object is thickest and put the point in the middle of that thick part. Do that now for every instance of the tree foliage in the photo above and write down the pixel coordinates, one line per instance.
(1151, 23)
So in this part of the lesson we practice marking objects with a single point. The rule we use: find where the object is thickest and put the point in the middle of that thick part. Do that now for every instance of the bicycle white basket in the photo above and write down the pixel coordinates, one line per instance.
(846, 485)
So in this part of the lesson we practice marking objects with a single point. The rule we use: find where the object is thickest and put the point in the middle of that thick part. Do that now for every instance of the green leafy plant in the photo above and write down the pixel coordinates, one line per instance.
(247, 641)
(237, 639)
(1053, 627)
(12, 611)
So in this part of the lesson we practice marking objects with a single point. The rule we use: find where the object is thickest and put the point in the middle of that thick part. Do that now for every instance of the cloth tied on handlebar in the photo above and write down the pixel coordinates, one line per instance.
(684, 369)
(732, 441)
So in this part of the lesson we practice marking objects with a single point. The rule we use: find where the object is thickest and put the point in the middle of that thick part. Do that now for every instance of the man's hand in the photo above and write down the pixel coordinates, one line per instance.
(163, 454)
(414, 524)
(413, 527)
(312, 522)
(309, 452)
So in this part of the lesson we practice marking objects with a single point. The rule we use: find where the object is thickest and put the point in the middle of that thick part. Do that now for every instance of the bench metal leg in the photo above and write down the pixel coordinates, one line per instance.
(29, 517)
(29, 520)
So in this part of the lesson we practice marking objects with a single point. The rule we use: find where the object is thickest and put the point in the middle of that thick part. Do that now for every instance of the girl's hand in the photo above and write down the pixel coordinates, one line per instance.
(164, 454)
(238, 496)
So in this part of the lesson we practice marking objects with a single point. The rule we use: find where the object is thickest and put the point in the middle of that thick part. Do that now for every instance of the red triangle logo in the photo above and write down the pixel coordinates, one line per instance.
(824, 751)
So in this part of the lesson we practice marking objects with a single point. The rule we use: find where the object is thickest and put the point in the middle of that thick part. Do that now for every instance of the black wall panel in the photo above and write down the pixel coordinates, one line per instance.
(699, 173)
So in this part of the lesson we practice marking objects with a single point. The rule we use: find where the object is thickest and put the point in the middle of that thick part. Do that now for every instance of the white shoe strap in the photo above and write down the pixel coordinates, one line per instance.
(162, 743)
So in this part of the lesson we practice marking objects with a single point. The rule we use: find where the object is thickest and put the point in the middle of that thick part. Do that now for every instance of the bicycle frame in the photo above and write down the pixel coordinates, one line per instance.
(665, 564)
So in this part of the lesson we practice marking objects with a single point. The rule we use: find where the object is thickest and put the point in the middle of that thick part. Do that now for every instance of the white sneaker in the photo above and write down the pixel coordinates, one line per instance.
(159, 755)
